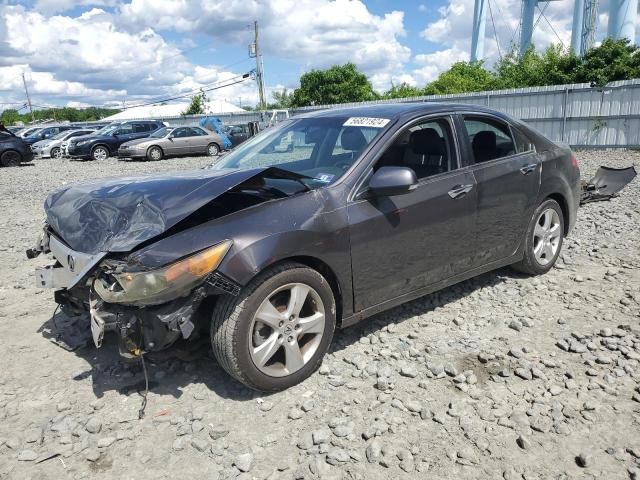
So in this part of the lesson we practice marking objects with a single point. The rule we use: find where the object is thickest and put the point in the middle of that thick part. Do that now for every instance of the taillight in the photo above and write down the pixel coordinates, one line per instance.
(574, 161)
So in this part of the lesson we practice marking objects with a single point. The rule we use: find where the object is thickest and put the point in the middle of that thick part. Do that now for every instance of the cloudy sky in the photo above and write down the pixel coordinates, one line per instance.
(106, 52)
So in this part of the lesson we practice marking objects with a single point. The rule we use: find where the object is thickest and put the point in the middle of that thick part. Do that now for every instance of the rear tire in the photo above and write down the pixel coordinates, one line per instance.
(292, 347)
(213, 150)
(10, 158)
(543, 239)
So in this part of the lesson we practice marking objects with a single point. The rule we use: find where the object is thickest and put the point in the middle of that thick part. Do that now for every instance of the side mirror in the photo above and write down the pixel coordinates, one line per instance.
(390, 181)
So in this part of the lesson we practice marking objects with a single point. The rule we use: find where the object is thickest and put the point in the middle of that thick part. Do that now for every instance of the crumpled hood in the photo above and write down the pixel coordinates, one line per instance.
(116, 215)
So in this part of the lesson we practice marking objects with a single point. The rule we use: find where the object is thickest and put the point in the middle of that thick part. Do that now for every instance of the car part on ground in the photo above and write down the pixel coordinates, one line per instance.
(450, 192)
(606, 184)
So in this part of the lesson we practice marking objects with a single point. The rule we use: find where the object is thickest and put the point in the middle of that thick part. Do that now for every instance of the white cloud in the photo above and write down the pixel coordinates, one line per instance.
(316, 33)
(56, 6)
(453, 30)
(432, 64)
(88, 59)
(116, 50)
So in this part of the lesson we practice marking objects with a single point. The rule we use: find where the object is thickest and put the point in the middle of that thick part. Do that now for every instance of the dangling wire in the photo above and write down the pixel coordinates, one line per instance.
(143, 406)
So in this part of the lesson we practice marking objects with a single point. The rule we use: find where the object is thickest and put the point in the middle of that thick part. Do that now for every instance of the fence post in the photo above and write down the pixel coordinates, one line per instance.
(488, 98)
(564, 113)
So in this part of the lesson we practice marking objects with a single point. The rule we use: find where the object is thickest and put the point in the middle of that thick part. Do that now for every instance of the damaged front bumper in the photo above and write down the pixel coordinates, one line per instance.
(85, 281)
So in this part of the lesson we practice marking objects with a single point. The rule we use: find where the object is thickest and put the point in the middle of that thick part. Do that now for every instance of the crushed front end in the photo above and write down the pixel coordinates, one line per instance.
(148, 309)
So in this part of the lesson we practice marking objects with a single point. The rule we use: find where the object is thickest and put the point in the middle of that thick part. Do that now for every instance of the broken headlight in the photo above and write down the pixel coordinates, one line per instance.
(164, 284)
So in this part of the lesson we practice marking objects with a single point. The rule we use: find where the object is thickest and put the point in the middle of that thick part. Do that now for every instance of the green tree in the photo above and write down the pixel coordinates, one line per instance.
(462, 77)
(553, 67)
(197, 106)
(283, 99)
(402, 90)
(338, 84)
(10, 116)
(612, 60)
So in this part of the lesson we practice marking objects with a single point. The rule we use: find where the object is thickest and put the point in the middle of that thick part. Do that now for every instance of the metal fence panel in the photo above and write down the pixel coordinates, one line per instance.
(578, 114)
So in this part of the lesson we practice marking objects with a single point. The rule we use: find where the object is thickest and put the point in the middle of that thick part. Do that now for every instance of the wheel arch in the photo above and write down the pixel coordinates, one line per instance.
(157, 146)
(12, 150)
(564, 206)
(323, 269)
(101, 145)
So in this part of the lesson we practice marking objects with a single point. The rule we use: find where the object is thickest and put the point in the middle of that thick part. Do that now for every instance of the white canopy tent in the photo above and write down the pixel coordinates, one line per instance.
(170, 110)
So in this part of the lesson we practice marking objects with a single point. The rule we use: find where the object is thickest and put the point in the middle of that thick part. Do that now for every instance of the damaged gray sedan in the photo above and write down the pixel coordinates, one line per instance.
(313, 225)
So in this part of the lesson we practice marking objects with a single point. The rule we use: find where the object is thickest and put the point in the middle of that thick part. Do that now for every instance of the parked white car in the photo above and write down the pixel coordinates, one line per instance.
(52, 147)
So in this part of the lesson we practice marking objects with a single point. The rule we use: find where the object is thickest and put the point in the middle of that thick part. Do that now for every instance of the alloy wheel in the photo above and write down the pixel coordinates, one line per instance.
(287, 329)
(56, 153)
(213, 150)
(100, 153)
(155, 153)
(546, 236)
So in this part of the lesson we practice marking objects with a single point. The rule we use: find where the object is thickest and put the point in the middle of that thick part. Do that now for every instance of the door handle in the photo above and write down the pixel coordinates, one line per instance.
(527, 169)
(459, 190)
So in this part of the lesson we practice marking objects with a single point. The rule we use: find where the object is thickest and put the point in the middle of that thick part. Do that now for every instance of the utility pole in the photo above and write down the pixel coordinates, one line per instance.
(26, 90)
(254, 51)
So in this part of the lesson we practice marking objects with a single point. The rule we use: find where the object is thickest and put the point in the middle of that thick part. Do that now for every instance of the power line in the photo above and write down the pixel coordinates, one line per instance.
(495, 32)
(553, 29)
(241, 78)
(504, 18)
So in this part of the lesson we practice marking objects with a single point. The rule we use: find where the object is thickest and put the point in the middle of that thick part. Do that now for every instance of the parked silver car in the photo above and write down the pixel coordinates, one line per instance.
(173, 141)
(25, 132)
(52, 147)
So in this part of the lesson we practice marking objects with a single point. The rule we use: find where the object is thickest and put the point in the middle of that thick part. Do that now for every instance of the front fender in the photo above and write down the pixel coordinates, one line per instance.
(250, 256)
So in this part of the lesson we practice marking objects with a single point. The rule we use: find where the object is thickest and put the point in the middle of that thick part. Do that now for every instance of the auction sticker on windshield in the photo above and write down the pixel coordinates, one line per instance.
(366, 122)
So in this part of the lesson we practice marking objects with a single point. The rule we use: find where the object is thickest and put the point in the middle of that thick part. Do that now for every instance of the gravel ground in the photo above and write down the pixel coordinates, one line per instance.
(502, 376)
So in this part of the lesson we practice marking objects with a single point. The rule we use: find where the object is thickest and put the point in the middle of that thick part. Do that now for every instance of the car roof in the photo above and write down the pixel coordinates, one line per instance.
(393, 111)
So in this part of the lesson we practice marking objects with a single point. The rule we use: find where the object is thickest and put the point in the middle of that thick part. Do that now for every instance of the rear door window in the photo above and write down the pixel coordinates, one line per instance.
(198, 132)
(490, 139)
(523, 144)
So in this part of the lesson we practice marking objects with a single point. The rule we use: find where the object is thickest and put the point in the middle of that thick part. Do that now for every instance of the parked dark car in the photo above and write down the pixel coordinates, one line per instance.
(237, 133)
(13, 150)
(47, 132)
(271, 249)
(105, 142)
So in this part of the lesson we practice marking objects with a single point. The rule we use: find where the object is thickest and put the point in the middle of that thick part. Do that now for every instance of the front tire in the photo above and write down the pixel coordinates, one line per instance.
(155, 153)
(10, 158)
(274, 334)
(56, 153)
(100, 153)
(543, 239)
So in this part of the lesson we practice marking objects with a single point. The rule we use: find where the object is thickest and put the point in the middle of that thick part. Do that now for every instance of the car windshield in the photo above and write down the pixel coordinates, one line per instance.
(108, 129)
(320, 150)
(161, 132)
(60, 135)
